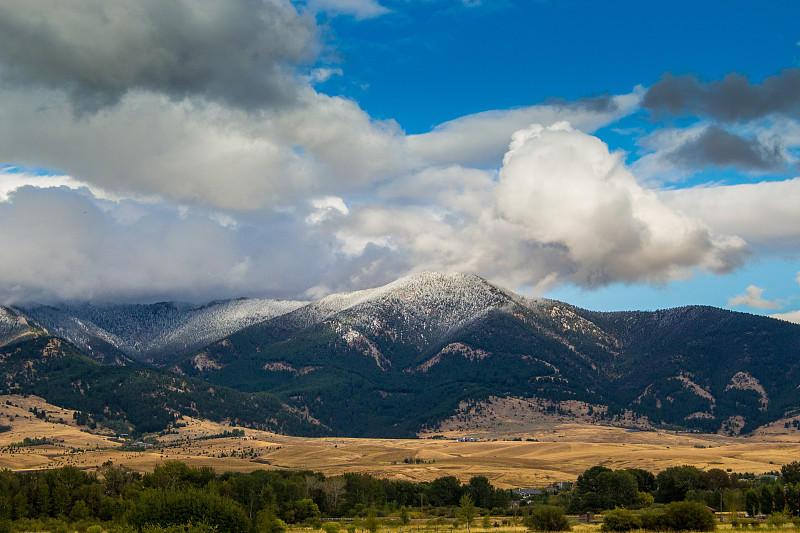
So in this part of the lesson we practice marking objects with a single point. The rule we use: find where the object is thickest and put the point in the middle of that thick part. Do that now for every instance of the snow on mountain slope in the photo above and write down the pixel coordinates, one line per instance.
(159, 331)
(416, 311)
(426, 307)
(420, 308)
(14, 327)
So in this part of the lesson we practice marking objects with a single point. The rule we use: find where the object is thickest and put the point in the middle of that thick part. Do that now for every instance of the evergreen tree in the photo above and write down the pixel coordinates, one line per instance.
(751, 502)
(765, 502)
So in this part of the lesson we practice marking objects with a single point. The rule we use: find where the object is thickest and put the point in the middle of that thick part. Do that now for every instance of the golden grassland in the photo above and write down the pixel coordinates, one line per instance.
(427, 526)
(556, 451)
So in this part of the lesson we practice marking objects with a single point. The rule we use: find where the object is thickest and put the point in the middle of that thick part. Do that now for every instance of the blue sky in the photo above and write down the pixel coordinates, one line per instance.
(620, 155)
(428, 62)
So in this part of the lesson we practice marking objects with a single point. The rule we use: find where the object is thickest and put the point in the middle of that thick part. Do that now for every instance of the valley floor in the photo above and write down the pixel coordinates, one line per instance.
(556, 452)
(428, 526)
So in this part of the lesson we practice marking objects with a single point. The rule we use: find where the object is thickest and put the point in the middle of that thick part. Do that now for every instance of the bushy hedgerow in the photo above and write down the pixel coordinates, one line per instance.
(546, 518)
(688, 516)
(620, 520)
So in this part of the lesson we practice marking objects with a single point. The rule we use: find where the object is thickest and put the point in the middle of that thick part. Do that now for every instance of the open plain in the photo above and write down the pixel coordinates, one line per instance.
(550, 451)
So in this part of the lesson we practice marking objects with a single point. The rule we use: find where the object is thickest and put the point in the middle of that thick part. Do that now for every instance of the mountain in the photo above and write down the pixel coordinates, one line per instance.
(14, 327)
(704, 367)
(151, 334)
(397, 359)
(392, 360)
(134, 399)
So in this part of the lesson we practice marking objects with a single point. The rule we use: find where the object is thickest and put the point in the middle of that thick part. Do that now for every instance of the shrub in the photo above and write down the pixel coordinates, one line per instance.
(688, 516)
(546, 518)
(777, 520)
(186, 528)
(331, 527)
(620, 520)
(82, 526)
(168, 508)
(404, 518)
(652, 519)
(371, 523)
(267, 522)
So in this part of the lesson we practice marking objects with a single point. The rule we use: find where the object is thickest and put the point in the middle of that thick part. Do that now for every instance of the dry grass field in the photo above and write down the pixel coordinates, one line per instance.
(555, 452)
(423, 526)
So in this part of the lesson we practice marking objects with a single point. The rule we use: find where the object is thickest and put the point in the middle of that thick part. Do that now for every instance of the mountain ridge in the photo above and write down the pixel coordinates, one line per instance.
(155, 332)
(392, 360)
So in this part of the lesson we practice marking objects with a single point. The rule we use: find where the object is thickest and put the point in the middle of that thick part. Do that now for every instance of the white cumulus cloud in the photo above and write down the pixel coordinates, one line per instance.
(561, 187)
(764, 214)
(752, 297)
(481, 139)
(792, 316)
(562, 209)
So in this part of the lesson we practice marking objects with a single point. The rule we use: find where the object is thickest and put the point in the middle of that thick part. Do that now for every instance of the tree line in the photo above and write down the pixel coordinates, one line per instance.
(600, 488)
(176, 494)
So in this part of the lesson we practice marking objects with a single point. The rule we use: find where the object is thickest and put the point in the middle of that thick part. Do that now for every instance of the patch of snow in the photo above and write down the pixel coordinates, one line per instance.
(13, 327)
(355, 339)
(142, 331)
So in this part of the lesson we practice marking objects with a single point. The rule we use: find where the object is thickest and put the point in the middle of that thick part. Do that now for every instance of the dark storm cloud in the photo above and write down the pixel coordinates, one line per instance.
(604, 103)
(239, 52)
(732, 99)
(718, 147)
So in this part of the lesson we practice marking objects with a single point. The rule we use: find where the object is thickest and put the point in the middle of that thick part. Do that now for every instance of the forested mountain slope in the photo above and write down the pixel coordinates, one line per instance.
(393, 360)
(403, 356)
(154, 333)
(134, 399)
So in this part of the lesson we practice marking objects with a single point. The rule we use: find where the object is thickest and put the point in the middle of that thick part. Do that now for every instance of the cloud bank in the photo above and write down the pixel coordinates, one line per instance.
(239, 52)
(191, 157)
(562, 208)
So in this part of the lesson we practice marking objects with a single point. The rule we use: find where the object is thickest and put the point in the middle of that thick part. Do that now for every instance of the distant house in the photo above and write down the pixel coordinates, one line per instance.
(527, 493)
